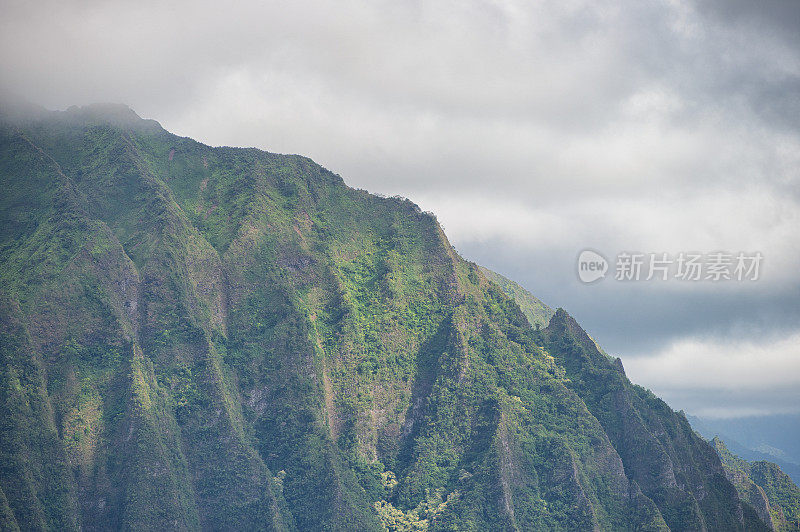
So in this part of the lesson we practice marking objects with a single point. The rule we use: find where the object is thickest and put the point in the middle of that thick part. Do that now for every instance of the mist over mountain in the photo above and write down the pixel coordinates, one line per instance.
(773, 438)
(226, 338)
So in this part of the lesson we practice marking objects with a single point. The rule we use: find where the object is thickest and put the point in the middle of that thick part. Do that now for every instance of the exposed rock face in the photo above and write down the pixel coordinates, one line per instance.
(667, 461)
(772, 494)
(752, 493)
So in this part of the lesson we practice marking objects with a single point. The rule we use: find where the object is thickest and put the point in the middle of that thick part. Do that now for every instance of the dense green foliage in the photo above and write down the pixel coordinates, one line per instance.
(769, 490)
(219, 338)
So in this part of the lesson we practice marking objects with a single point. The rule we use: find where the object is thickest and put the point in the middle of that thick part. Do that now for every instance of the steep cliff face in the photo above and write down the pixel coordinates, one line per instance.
(768, 489)
(782, 493)
(216, 338)
(737, 471)
(669, 462)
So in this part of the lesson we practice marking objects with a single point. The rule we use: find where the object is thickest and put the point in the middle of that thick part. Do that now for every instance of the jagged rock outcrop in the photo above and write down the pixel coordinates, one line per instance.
(670, 464)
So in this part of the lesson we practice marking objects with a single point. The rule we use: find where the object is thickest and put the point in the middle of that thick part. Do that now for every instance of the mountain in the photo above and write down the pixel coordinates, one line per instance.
(224, 338)
(768, 489)
(771, 438)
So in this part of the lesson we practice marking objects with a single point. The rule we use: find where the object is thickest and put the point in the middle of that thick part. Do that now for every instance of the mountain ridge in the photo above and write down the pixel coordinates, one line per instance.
(769, 490)
(767, 427)
(227, 338)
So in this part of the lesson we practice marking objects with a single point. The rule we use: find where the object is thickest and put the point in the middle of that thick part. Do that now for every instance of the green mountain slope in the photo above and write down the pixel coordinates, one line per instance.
(765, 486)
(220, 338)
(537, 312)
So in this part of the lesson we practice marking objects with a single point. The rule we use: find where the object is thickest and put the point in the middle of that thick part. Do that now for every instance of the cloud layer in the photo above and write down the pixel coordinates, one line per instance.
(754, 377)
(533, 131)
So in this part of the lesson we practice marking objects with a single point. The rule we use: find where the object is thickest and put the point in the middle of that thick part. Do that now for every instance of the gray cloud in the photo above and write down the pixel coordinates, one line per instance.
(734, 369)
(533, 130)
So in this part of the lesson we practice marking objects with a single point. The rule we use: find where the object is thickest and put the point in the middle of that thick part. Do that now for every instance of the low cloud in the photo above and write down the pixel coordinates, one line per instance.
(722, 365)
(711, 375)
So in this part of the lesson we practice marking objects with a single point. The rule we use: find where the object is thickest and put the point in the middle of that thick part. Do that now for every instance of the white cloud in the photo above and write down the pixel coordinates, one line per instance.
(693, 363)
(749, 220)
(706, 375)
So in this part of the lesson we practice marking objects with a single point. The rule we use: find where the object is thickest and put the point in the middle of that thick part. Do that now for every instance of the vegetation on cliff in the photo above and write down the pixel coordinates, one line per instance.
(768, 489)
(216, 338)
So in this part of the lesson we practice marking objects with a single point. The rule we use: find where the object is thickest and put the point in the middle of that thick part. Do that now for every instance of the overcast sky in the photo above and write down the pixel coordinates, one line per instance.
(533, 130)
